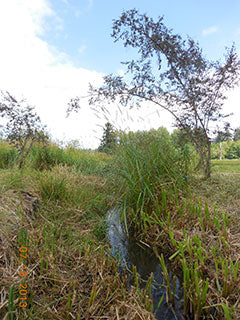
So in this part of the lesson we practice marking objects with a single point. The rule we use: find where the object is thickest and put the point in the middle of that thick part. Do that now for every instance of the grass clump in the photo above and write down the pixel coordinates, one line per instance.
(53, 188)
(145, 170)
(45, 158)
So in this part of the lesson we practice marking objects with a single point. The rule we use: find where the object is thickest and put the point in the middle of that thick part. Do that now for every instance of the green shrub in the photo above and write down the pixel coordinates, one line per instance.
(92, 163)
(233, 152)
(45, 158)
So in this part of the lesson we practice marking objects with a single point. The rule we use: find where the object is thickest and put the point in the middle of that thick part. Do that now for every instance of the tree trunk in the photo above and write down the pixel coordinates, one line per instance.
(207, 170)
(205, 159)
(25, 154)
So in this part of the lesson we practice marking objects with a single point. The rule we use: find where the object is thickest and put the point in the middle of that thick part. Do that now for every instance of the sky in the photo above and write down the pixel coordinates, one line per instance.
(52, 49)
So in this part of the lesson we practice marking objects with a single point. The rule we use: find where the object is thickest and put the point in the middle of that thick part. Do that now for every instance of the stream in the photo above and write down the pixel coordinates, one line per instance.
(128, 253)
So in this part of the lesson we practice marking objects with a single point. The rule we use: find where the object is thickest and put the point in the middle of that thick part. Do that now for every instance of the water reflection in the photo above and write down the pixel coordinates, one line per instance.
(129, 253)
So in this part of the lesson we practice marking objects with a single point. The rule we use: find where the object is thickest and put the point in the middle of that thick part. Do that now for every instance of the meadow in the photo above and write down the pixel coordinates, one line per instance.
(70, 274)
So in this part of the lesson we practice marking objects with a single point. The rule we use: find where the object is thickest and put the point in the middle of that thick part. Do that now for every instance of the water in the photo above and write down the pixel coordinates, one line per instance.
(128, 253)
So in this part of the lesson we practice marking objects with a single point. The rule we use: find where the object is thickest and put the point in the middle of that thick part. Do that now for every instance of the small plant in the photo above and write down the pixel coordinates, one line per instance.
(53, 188)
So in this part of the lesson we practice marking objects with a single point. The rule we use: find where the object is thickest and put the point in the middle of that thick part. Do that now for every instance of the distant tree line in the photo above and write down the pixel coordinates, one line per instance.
(227, 141)
(226, 150)
(226, 144)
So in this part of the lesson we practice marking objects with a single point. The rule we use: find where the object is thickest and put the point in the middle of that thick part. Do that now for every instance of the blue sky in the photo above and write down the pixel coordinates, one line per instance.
(87, 27)
(51, 49)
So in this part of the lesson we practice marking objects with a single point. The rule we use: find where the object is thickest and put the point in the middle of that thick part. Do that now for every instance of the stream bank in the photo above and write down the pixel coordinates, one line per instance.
(131, 253)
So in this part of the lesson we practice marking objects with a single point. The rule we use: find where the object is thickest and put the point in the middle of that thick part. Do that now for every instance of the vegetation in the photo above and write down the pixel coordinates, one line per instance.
(109, 140)
(144, 164)
(70, 273)
(24, 126)
(236, 135)
(190, 222)
(193, 224)
(226, 150)
(172, 74)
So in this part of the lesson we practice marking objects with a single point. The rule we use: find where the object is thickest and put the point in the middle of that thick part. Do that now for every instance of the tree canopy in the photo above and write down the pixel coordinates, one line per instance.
(171, 73)
(224, 134)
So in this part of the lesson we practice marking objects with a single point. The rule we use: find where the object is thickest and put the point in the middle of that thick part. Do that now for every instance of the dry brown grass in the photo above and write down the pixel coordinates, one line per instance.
(70, 275)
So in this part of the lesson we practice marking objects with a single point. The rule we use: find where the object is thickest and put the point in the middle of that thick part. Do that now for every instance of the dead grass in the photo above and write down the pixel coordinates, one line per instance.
(70, 274)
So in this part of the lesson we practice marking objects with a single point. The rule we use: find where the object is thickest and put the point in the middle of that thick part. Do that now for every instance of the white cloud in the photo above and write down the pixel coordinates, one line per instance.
(121, 72)
(82, 48)
(48, 79)
(210, 30)
(232, 106)
(32, 68)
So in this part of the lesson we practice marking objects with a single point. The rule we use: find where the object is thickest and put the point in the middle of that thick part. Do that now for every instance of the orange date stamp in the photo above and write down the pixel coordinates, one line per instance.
(23, 274)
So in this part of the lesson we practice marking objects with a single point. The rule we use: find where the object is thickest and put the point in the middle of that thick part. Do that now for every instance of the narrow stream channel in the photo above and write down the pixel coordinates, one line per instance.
(128, 253)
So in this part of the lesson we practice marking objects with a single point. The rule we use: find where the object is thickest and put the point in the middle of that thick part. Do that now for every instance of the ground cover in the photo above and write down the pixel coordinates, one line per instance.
(70, 273)
(192, 223)
(226, 166)
(198, 230)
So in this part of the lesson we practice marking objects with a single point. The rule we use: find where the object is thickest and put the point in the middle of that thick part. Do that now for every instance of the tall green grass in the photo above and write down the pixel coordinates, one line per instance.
(45, 158)
(144, 170)
(8, 155)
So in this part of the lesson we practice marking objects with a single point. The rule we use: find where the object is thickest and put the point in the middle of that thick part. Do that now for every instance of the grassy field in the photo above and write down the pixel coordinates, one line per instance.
(226, 166)
(69, 272)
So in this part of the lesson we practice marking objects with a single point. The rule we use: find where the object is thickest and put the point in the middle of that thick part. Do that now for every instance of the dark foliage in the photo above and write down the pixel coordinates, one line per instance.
(109, 139)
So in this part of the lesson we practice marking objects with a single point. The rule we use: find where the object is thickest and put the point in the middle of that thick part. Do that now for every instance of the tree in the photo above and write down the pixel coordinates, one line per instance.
(171, 73)
(23, 126)
(233, 151)
(109, 139)
(236, 135)
(143, 137)
(224, 134)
